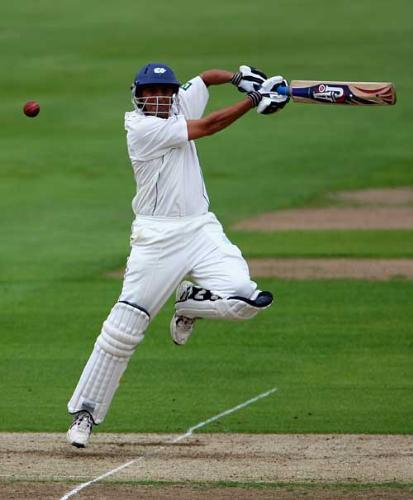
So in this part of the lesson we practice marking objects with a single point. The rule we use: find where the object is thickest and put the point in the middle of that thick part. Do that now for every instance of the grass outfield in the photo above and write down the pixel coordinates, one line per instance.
(339, 351)
(80, 65)
(332, 243)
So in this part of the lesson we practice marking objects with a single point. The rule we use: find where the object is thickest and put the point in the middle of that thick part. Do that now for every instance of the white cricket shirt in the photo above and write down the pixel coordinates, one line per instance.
(166, 166)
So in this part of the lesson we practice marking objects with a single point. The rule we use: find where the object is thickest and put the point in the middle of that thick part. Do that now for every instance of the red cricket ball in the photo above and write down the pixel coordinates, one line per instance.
(31, 108)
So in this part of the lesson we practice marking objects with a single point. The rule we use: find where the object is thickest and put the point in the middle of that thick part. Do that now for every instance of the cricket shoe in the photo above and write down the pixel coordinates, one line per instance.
(80, 429)
(181, 327)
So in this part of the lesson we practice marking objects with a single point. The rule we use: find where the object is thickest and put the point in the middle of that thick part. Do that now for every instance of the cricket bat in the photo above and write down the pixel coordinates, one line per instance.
(350, 93)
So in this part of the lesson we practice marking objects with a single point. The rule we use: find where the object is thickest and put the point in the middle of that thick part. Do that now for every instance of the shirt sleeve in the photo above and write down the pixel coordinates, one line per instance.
(153, 137)
(193, 98)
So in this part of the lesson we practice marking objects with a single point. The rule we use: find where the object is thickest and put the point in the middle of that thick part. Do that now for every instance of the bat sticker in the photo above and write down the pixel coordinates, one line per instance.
(329, 93)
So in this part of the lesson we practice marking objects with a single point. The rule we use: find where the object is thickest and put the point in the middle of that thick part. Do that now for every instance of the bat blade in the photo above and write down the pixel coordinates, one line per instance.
(348, 93)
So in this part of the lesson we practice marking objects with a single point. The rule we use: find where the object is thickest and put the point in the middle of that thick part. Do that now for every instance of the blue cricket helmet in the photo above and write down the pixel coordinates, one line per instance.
(156, 74)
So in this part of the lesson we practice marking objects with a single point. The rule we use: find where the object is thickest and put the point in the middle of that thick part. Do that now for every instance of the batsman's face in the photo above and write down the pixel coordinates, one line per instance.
(158, 100)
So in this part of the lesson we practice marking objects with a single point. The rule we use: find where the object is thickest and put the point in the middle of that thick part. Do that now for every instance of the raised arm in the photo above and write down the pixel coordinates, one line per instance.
(266, 98)
(218, 120)
(216, 76)
(246, 79)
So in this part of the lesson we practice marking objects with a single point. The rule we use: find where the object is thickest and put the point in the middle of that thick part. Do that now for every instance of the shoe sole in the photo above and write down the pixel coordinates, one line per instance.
(75, 443)
(178, 294)
(78, 445)
(170, 329)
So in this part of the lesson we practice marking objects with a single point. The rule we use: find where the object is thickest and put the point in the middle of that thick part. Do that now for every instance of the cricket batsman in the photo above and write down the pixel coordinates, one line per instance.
(174, 235)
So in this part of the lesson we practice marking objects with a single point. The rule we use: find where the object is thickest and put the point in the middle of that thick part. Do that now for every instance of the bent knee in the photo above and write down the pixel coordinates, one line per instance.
(243, 288)
(123, 329)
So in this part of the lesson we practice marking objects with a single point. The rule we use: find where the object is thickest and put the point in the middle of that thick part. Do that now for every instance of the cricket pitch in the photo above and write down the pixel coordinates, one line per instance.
(204, 465)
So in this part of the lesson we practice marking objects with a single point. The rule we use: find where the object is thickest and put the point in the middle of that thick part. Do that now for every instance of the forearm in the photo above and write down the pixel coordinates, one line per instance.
(216, 76)
(218, 120)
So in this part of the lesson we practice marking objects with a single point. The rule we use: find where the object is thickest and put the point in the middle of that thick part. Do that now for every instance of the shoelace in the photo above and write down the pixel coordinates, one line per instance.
(83, 422)
(184, 322)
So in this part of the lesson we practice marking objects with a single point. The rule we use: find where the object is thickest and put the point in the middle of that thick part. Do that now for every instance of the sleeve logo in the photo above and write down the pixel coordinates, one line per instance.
(186, 85)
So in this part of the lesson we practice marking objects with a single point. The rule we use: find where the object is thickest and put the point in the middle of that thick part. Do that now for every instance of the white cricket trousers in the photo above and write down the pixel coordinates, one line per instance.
(165, 250)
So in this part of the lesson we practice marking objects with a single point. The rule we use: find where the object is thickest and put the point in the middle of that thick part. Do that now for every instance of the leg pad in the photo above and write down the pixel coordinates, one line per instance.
(121, 333)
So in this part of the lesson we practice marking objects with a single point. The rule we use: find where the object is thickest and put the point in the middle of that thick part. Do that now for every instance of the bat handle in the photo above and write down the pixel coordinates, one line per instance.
(284, 90)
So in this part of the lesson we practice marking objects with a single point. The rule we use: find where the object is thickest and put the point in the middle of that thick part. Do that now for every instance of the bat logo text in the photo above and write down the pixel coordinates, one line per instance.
(328, 93)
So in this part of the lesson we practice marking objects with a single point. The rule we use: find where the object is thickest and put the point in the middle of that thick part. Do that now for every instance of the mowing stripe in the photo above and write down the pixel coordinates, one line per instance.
(187, 434)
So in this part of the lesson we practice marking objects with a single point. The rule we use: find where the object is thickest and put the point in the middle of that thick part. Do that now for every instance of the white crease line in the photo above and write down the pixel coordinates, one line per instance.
(188, 433)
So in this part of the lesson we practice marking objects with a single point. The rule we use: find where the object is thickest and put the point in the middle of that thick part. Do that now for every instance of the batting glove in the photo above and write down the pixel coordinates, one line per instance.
(248, 79)
(267, 99)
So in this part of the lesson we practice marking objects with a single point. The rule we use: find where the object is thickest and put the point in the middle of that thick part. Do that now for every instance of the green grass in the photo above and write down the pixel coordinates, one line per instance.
(339, 352)
(80, 64)
(333, 243)
(282, 486)
(391, 489)
(261, 485)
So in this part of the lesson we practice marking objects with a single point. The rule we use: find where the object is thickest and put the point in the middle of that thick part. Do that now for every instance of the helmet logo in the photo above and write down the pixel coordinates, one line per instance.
(159, 70)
